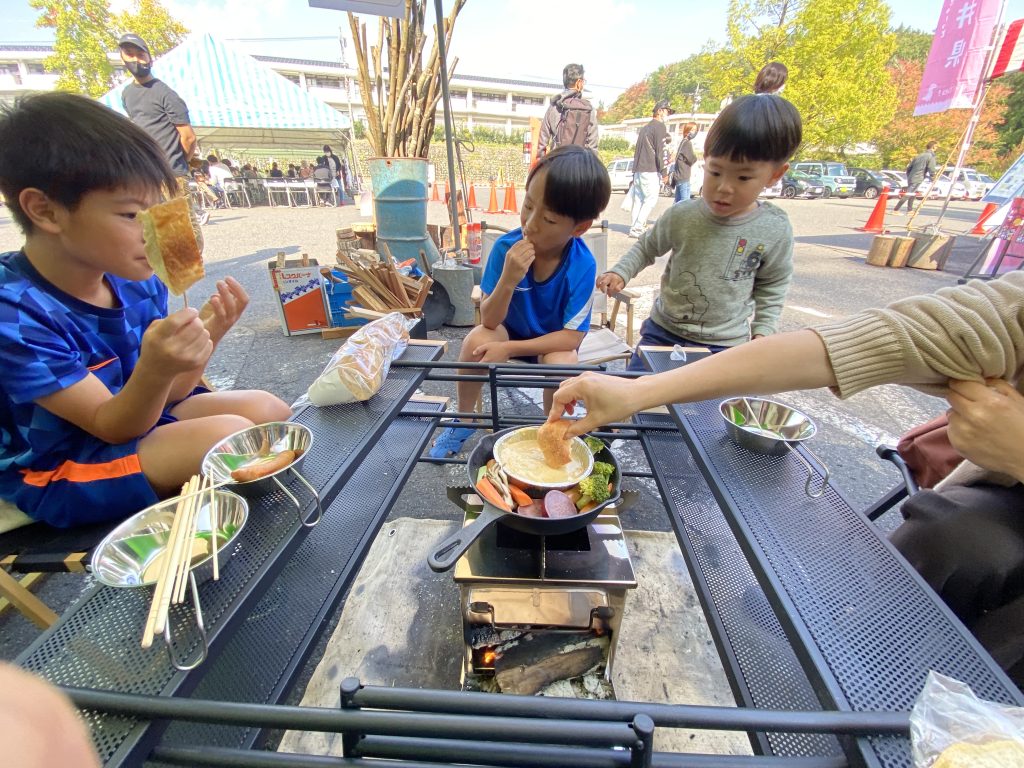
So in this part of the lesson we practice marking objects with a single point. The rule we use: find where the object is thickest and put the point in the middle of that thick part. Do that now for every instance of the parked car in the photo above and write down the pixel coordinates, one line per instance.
(970, 179)
(775, 190)
(941, 188)
(835, 177)
(988, 181)
(620, 170)
(869, 183)
(897, 181)
(799, 184)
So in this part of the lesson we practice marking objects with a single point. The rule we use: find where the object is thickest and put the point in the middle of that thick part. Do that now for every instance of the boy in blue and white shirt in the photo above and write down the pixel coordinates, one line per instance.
(538, 285)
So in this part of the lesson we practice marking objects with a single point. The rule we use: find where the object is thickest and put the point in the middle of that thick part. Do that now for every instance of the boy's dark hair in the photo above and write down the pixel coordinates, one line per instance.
(571, 74)
(577, 184)
(67, 146)
(755, 128)
(932, 145)
(771, 77)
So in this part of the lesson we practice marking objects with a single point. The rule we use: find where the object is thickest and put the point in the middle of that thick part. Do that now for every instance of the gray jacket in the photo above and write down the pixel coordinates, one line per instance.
(921, 166)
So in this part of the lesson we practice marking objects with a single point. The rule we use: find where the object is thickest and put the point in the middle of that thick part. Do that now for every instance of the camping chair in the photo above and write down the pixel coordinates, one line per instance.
(237, 188)
(323, 192)
(298, 186)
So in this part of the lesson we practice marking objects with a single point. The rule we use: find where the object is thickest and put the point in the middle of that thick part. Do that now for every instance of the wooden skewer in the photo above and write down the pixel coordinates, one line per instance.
(162, 589)
(185, 562)
(214, 525)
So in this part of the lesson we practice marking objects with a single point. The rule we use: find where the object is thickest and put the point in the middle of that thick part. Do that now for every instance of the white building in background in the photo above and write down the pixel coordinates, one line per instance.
(477, 101)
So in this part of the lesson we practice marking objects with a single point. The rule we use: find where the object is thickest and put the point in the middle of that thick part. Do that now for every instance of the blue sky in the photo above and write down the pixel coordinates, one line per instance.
(618, 41)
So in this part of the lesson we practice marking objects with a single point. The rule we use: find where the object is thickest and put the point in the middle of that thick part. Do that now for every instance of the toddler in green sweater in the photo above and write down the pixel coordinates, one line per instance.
(731, 255)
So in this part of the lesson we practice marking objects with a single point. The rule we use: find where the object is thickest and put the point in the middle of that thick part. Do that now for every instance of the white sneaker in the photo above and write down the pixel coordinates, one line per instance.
(204, 216)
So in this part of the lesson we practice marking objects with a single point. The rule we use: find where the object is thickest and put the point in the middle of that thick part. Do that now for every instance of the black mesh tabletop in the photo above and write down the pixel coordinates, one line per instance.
(865, 626)
(96, 644)
(763, 669)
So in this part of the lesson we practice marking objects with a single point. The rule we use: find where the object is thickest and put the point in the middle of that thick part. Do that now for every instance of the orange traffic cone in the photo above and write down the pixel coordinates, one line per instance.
(433, 195)
(472, 199)
(979, 225)
(511, 206)
(492, 207)
(877, 218)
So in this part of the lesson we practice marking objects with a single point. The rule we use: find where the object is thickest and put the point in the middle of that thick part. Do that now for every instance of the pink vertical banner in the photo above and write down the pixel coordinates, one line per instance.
(958, 55)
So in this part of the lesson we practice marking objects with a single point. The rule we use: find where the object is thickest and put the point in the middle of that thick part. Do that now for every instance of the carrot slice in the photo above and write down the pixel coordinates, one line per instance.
(489, 492)
(520, 497)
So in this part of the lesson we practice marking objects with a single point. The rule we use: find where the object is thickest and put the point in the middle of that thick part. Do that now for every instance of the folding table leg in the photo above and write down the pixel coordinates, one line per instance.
(34, 609)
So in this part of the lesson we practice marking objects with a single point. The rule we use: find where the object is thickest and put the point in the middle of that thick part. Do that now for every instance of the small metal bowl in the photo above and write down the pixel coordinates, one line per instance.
(577, 449)
(765, 426)
(242, 447)
(125, 558)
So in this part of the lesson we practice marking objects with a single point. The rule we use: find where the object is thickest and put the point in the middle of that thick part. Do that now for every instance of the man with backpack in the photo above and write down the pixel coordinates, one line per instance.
(570, 119)
(921, 166)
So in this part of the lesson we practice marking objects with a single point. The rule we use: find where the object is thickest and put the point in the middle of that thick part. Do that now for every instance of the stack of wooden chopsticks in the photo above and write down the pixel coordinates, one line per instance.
(177, 556)
(379, 288)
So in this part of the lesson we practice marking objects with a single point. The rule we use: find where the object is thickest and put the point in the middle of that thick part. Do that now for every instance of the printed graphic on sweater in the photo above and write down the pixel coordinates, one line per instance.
(690, 302)
(744, 261)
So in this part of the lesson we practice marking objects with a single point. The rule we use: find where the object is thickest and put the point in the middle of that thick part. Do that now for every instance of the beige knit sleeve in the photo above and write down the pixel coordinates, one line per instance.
(970, 332)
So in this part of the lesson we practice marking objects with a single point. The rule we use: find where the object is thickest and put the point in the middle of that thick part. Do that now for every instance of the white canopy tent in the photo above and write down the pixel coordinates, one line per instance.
(235, 101)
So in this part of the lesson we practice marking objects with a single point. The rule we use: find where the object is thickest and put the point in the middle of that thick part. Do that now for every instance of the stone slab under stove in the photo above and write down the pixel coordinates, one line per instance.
(401, 626)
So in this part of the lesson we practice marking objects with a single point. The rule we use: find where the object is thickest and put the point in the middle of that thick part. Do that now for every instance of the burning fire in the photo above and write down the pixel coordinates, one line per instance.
(488, 657)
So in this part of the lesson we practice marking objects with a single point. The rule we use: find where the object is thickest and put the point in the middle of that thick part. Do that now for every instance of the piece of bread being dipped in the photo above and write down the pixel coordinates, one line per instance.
(553, 443)
(171, 246)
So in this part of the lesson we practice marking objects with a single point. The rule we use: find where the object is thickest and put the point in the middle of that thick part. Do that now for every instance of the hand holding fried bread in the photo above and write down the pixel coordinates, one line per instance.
(553, 442)
(224, 308)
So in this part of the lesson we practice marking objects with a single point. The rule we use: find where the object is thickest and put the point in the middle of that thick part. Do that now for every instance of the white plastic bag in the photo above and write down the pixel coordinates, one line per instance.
(950, 727)
(627, 199)
(358, 369)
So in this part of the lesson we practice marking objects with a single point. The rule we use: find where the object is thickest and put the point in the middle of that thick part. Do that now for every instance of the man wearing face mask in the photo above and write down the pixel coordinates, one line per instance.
(160, 111)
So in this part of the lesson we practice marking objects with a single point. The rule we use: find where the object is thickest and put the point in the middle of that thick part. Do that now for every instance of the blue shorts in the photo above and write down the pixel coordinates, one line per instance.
(653, 335)
(102, 482)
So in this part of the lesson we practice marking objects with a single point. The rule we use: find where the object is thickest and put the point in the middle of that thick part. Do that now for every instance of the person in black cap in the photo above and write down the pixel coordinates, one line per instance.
(160, 111)
(649, 170)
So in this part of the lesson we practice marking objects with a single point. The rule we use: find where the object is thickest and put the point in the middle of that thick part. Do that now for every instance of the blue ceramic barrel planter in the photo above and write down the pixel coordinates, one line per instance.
(400, 206)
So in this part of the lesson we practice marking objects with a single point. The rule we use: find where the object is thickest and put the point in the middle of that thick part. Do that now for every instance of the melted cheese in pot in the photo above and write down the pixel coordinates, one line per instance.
(525, 460)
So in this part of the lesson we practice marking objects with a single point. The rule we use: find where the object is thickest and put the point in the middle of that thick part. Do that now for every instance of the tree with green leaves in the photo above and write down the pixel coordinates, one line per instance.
(153, 23)
(836, 52)
(86, 32)
(911, 44)
(84, 35)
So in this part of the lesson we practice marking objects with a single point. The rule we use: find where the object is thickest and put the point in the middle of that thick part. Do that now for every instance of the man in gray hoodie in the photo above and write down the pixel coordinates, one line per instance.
(571, 119)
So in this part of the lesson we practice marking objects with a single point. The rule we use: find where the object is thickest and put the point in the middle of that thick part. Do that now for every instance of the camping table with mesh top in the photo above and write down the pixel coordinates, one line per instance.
(811, 606)
(362, 448)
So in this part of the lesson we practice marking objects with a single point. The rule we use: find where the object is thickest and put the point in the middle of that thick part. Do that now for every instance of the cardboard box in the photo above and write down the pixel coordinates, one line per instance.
(301, 301)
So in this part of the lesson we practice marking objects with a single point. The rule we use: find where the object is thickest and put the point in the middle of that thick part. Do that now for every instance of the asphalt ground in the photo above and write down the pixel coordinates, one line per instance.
(830, 280)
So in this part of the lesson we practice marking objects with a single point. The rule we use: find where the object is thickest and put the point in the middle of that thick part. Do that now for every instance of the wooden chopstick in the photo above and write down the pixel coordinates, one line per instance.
(162, 589)
(185, 561)
(214, 525)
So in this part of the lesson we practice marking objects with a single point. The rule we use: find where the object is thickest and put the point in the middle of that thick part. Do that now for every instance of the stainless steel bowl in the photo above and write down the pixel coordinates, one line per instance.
(125, 558)
(577, 449)
(765, 426)
(242, 447)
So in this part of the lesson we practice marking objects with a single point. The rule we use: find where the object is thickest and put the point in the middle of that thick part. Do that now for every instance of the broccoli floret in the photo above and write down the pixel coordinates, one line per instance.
(604, 469)
(593, 488)
(595, 445)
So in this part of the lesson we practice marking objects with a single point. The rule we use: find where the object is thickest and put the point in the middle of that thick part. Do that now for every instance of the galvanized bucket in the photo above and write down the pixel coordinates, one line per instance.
(400, 207)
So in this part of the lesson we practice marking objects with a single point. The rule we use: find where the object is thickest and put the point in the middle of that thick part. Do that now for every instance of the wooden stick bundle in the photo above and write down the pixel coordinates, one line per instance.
(379, 287)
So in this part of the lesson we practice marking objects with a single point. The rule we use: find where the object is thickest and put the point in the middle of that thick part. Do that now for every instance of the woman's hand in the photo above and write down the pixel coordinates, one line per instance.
(608, 399)
(986, 424)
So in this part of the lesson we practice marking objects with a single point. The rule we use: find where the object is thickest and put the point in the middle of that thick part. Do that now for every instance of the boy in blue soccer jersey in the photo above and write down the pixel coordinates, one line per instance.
(100, 409)
(538, 285)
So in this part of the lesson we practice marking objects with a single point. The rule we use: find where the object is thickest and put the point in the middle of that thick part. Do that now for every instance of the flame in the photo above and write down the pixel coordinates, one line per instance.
(488, 657)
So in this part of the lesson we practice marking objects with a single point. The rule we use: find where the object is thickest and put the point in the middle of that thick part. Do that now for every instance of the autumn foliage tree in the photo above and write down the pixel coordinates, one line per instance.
(905, 135)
